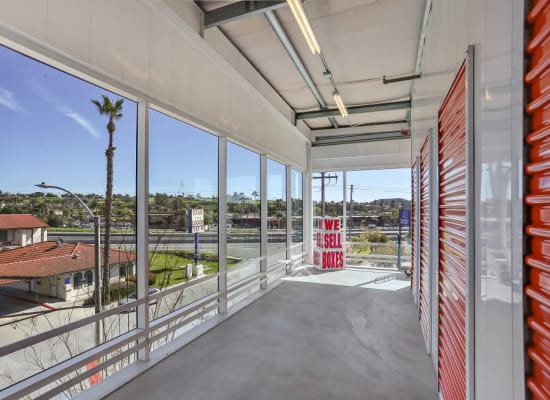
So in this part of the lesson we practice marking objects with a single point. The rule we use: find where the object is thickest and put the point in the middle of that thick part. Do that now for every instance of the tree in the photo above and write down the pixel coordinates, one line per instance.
(255, 194)
(54, 221)
(113, 111)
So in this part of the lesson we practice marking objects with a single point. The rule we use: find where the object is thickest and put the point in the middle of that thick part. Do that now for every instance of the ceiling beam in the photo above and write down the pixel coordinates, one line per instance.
(241, 9)
(360, 138)
(365, 108)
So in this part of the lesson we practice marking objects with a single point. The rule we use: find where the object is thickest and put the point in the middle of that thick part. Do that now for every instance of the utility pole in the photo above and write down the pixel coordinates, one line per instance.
(322, 178)
(323, 193)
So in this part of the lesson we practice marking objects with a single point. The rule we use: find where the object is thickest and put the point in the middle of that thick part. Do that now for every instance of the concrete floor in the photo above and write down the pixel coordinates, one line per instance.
(304, 341)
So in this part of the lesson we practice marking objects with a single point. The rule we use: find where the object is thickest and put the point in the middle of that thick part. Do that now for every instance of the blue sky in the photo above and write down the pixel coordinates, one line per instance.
(51, 132)
(367, 185)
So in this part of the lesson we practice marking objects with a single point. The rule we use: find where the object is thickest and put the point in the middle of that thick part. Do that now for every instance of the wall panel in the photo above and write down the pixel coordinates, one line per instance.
(424, 267)
(496, 28)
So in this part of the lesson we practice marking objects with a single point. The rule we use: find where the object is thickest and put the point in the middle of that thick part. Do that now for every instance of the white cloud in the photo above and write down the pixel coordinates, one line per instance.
(80, 120)
(8, 100)
(49, 96)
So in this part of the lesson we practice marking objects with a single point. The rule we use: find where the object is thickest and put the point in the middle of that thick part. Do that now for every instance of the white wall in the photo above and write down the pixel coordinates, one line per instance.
(23, 237)
(146, 50)
(495, 27)
(359, 156)
(37, 234)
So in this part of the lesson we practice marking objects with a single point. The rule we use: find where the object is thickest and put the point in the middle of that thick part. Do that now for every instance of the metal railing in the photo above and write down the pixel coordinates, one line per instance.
(81, 371)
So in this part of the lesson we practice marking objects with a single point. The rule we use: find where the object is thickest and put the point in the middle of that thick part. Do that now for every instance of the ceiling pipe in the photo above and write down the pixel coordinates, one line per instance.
(400, 79)
(364, 108)
(285, 41)
(422, 39)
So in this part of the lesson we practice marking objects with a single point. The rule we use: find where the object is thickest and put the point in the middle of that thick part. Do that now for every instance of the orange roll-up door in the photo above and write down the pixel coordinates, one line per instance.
(424, 276)
(537, 199)
(414, 192)
(452, 241)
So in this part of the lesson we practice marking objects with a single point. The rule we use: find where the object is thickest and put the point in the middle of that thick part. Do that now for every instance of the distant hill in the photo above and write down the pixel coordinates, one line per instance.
(395, 202)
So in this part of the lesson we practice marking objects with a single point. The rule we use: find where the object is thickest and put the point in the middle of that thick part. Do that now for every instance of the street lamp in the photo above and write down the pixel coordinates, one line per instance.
(97, 269)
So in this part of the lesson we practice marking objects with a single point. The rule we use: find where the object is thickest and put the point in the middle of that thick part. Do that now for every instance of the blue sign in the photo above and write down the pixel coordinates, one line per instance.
(404, 217)
(67, 280)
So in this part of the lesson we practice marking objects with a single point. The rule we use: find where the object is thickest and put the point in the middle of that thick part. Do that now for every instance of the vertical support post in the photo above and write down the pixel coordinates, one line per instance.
(307, 182)
(263, 219)
(142, 222)
(399, 246)
(344, 211)
(222, 225)
(97, 278)
(471, 216)
(288, 182)
(197, 249)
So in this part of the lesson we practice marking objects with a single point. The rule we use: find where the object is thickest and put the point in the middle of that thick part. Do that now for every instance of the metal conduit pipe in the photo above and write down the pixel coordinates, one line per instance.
(283, 38)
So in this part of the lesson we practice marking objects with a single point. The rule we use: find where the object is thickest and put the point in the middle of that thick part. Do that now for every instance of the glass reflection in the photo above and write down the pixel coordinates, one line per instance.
(183, 212)
(243, 213)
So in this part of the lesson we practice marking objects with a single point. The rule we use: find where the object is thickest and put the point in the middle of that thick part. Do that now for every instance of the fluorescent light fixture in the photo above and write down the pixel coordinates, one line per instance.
(340, 104)
(303, 23)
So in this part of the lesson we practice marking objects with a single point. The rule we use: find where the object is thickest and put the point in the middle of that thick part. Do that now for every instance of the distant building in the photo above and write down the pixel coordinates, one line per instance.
(58, 269)
(21, 230)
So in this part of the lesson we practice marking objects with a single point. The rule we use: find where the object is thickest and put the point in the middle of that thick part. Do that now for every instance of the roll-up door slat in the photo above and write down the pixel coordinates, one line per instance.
(424, 295)
(537, 200)
(452, 241)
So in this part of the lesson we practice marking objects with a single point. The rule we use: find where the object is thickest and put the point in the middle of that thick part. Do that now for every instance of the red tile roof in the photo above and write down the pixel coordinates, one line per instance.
(18, 221)
(49, 258)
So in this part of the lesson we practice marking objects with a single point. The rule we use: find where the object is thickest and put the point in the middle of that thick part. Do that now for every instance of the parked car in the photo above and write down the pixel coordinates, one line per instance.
(133, 297)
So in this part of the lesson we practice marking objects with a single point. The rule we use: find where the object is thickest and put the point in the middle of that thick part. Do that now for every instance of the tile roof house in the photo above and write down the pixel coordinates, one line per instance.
(58, 269)
(21, 230)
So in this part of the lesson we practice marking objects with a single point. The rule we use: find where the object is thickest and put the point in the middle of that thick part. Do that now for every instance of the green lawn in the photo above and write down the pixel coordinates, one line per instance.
(169, 268)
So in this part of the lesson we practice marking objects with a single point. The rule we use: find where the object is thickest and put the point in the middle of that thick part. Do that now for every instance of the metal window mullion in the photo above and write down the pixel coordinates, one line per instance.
(263, 223)
(222, 224)
(288, 184)
(307, 208)
(344, 211)
(142, 223)
(471, 225)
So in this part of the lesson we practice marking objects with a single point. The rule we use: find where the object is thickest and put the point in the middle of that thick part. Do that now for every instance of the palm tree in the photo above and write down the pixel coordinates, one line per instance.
(113, 111)
(255, 194)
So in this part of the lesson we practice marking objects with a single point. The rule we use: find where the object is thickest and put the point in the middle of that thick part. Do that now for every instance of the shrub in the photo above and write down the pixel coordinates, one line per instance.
(152, 278)
(120, 290)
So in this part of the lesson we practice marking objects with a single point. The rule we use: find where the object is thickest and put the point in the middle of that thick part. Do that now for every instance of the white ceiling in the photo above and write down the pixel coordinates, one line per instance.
(361, 41)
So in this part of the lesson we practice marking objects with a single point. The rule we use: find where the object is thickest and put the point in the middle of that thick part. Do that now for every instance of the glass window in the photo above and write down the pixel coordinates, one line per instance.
(374, 200)
(89, 276)
(183, 211)
(328, 194)
(53, 133)
(276, 212)
(243, 215)
(77, 280)
(297, 197)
